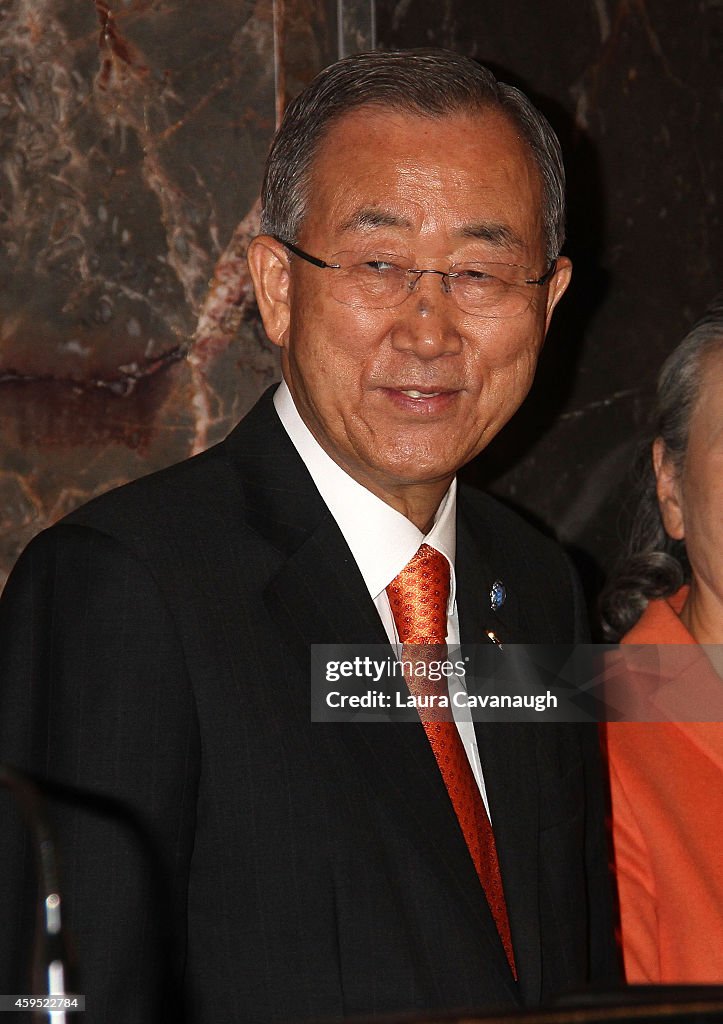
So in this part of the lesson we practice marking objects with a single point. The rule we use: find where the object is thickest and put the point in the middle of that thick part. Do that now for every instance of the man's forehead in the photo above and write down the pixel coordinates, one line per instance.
(469, 173)
(348, 135)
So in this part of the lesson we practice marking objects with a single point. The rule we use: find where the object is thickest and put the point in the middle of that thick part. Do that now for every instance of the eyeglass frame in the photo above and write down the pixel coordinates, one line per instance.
(323, 265)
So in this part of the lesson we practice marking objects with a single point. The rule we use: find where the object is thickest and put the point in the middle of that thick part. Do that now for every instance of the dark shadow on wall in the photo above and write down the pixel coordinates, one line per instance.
(563, 350)
(562, 354)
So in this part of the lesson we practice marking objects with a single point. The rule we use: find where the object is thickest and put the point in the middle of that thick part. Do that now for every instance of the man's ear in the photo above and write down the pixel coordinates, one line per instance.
(668, 490)
(268, 262)
(558, 286)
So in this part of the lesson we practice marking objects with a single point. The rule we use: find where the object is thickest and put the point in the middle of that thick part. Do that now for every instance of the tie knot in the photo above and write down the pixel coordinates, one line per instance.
(418, 597)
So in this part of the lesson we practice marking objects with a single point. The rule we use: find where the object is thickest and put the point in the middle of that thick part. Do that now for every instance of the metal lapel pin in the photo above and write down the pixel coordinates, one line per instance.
(498, 595)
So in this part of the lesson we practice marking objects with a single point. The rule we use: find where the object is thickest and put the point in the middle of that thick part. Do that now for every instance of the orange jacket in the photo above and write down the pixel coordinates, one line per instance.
(667, 812)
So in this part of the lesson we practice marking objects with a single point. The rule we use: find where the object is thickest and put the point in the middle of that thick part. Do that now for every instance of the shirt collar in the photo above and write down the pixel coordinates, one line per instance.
(381, 539)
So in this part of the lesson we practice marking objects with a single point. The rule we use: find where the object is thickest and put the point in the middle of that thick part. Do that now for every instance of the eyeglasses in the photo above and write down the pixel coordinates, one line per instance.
(377, 280)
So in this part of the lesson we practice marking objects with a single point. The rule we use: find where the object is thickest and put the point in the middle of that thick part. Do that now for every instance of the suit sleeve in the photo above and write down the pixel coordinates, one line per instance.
(581, 622)
(92, 682)
(605, 968)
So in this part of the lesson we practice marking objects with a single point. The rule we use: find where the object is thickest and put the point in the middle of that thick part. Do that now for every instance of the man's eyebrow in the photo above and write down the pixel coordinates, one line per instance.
(373, 217)
(497, 234)
(370, 217)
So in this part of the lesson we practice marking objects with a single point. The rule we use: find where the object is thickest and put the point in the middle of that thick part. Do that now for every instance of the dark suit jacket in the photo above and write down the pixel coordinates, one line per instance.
(218, 849)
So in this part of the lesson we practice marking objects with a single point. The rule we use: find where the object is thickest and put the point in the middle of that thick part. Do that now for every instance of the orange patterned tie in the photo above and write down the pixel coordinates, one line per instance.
(418, 597)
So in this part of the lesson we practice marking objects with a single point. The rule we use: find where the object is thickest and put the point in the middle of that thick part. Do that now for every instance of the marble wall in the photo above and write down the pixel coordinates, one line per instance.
(132, 136)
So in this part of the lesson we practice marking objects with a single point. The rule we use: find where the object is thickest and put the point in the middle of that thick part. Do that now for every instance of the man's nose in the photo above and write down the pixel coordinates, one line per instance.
(428, 319)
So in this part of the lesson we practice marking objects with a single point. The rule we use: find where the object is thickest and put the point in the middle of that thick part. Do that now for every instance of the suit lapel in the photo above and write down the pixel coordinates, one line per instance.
(482, 561)
(319, 596)
(507, 751)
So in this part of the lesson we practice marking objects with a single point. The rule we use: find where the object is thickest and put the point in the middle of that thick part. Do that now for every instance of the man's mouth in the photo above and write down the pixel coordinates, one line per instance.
(412, 393)
(421, 401)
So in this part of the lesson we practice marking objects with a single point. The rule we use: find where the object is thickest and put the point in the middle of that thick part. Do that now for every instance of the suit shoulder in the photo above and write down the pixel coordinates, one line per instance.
(490, 514)
(198, 493)
(165, 500)
(166, 533)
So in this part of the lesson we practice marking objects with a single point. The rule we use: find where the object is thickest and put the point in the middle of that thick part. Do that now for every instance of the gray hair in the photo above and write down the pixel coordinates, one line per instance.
(654, 564)
(432, 83)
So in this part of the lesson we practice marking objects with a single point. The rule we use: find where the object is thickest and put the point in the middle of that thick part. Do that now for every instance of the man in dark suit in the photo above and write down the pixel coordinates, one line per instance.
(224, 858)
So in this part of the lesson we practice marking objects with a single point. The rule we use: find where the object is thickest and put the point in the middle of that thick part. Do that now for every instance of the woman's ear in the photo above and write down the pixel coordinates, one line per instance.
(669, 491)
(268, 262)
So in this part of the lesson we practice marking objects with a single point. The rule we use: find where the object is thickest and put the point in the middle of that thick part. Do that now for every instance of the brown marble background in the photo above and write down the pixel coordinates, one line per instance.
(132, 136)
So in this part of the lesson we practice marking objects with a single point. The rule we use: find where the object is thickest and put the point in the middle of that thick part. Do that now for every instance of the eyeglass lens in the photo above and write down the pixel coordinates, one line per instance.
(492, 290)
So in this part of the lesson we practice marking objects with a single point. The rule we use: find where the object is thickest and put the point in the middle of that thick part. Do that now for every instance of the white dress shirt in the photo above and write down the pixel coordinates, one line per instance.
(382, 541)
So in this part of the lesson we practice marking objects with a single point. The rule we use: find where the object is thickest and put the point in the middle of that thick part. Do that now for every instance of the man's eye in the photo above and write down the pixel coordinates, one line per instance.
(380, 266)
(474, 274)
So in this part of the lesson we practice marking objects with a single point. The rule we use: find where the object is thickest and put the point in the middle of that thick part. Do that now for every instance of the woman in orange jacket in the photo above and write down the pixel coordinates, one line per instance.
(667, 777)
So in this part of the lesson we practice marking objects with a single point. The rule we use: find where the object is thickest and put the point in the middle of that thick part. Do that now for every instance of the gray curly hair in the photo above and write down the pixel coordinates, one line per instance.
(654, 564)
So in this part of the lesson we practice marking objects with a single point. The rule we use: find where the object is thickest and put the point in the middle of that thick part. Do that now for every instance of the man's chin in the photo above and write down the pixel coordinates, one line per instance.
(418, 472)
